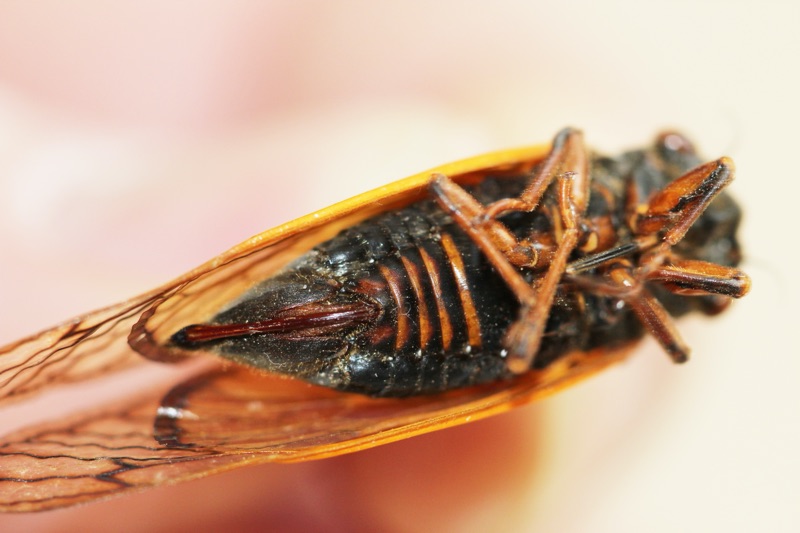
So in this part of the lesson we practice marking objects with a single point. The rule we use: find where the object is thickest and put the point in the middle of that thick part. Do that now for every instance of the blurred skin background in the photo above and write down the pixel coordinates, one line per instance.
(138, 140)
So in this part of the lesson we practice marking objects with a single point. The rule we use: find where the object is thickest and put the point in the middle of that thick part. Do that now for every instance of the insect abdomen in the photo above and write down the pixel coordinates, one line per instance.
(443, 308)
(440, 309)
(436, 311)
(405, 303)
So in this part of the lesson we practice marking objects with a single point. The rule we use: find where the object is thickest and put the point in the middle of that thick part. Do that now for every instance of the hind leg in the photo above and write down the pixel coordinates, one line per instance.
(566, 168)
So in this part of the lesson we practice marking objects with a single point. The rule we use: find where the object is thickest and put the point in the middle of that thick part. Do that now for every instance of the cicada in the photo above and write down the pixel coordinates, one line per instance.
(449, 296)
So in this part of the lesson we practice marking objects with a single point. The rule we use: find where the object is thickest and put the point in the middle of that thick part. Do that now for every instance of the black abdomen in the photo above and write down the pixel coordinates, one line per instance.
(405, 303)
(444, 309)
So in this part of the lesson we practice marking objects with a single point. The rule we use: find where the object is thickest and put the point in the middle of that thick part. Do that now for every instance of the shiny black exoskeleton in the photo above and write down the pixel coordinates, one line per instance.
(431, 311)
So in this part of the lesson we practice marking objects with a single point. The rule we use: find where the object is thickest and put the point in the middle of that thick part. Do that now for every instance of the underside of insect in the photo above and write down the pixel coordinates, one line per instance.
(484, 282)
(449, 296)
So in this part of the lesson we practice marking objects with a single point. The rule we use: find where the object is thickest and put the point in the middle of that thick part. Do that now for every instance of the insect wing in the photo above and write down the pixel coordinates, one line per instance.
(97, 343)
(229, 276)
(284, 420)
(83, 348)
(232, 418)
(93, 456)
(226, 419)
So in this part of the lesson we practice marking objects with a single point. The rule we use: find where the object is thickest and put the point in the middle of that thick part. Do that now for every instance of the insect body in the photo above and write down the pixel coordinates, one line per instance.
(406, 303)
(446, 297)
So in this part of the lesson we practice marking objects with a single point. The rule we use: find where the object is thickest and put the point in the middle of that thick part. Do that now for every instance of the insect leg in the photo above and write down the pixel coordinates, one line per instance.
(567, 155)
(567, 166)
(622, 283)
(650, 312)
(525, 335)
(493, 239)
(681, 276)
(697, 278)
(672, 210)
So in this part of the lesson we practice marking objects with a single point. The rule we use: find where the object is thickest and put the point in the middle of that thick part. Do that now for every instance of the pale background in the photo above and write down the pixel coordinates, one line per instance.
(141, 138)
